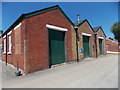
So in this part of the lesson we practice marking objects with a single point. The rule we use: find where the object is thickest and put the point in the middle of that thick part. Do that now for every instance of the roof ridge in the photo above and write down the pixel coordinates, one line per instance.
(41, 9)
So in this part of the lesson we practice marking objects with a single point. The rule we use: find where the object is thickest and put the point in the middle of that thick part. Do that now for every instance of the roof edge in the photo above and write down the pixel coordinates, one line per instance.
(100, 27)
(14, 24)
(88, 24)
(27, 15)
(103, 31)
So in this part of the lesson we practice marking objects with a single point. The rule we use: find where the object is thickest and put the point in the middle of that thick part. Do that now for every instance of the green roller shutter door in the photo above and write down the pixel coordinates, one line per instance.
(100, 46)
(86, 46)
(56, 47)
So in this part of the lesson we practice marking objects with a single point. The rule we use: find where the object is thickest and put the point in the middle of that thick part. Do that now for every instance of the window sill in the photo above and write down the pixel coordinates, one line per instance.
(9, 53)
(4, 52)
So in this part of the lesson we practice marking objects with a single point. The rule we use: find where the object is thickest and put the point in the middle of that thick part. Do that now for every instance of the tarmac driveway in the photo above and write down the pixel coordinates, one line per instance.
(89, 73)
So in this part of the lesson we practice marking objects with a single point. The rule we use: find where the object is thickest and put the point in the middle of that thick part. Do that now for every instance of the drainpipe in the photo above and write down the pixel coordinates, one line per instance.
(77, 39)
(96, 43)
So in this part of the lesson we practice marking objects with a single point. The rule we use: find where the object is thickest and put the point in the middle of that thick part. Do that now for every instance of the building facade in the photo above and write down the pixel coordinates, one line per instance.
(39, 40)
(100, 41)
(112, 46)
(43, 38)
(86, 39)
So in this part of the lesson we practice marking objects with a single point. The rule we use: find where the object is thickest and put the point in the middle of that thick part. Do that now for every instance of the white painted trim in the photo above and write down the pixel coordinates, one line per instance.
(10, 44)
(9, 33)
(4, 52)
(18, 26)
(56, 28)
(9, 53)
(86, 34)
(4, 46)
(112, 52)
(100, 37)
(4, 36)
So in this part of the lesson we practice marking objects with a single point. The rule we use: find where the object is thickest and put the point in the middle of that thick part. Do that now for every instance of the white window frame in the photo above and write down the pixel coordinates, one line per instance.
(9, 43)
(4, 41)
(56, 28)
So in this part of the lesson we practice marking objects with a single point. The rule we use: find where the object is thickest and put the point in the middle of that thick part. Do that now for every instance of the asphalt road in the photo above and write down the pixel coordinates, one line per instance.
(89, 73)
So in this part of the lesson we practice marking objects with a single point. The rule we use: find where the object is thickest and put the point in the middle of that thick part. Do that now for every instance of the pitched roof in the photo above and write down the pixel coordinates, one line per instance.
(79, 23)
(96, 29)
(27, 15)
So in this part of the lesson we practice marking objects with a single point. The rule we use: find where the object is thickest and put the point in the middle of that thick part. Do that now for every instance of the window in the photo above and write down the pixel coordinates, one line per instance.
(9, 44)
(4, 45)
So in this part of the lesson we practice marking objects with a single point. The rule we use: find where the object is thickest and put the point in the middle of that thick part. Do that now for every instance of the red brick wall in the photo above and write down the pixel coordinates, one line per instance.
(85, 28)
(5, 56)
(36, 37)
(111, 46)
(101, 34)
(14, 57)
(34, 41)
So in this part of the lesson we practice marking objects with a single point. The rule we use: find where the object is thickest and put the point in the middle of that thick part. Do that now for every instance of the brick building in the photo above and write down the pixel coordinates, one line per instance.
(112, 46)
(86, 39)
(39, 39)
(100, 41)
(47, 37)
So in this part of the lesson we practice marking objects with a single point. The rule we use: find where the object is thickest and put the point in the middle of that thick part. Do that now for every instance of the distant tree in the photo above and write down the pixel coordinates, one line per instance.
(115, 29)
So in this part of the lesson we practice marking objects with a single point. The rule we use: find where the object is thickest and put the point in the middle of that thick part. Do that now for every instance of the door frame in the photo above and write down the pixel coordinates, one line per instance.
(88, 35)
(102, 46)
(48, 26)
(99, 37)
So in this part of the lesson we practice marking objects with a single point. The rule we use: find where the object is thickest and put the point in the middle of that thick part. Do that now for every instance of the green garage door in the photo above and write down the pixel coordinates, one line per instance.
(56, 47)
(100, 46)
(86, 46)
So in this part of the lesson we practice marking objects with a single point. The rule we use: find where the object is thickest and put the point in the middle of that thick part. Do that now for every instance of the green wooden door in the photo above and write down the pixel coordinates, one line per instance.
(56, 47)
(86, 46)
(100, 46)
